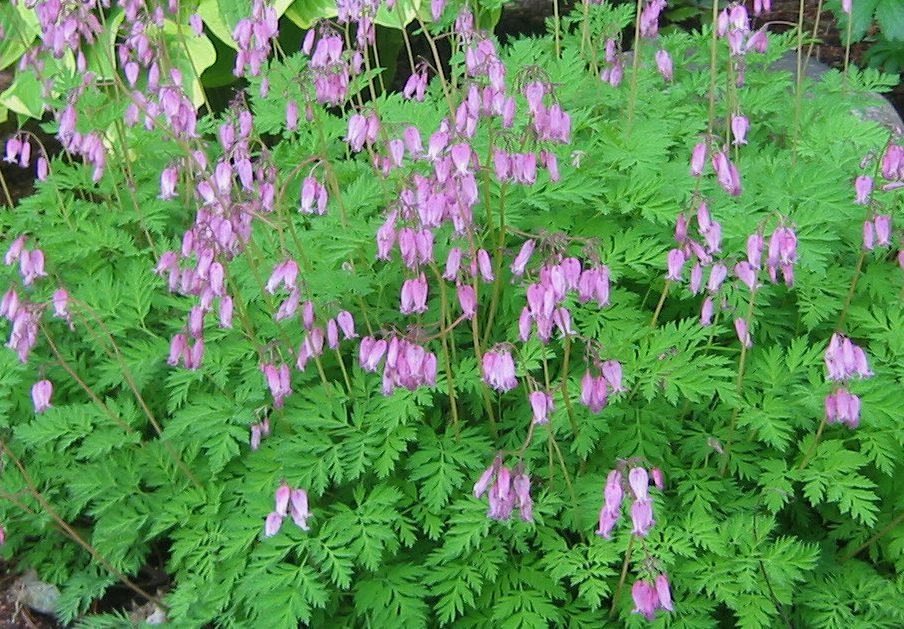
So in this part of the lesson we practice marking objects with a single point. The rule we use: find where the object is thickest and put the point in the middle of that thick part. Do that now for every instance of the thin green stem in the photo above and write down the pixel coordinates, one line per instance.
(739, 387)
(875, 538)
(621, 579)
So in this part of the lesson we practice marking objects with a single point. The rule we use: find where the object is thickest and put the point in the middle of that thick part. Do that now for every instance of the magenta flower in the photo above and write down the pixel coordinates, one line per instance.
(272, 524)
(299, 508)
(642, 517)
(869, 236)
(863, 187)
(664, 64)
(640, 483)
(844, 359)
(414, 295)
(676, 260)
(40, 395)
(883, 230)
(746, 274)
(281, 498)
(499, 370)
(467, 299)
(612, 371)
(521, 488)
(523, 257)
(717, 275)
(646, 600)
(347, 324)
(664, 592)
(542, 405)
(743, 332)
(844, 407)
(696, 278)
(698, 159)
(739, 126)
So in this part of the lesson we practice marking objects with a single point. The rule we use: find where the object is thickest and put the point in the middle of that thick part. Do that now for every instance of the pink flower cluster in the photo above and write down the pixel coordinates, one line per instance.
(544, 307)
(506, 489)
(253, 35)
(18, 151)
(641, 505)
(25, 315)
(292, 502)
(595, 390)
(331, 71)
(844, 362)
(407, 365)
(650, 596)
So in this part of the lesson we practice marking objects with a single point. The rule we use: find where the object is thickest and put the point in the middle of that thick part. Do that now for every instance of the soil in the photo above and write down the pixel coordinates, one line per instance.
(14, 615)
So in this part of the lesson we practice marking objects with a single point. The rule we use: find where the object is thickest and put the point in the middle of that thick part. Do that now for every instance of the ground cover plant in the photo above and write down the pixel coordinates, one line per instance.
(556, 336)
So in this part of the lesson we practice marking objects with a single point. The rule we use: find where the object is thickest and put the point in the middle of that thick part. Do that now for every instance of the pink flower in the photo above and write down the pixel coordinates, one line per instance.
(485, 265)
(612, 371)
(717, 275)
(883, 230)
(698, 159)
(664, 64)
(299, 508)
(739, 126)
(646, 600)
(743, 333)
(863, 186)
(656, 473)
(746, 274)
(281, 498)
(520, 263)
(499, 370)
(696, 278)
(706, 312)
(467, 299)
(521, 488)
(484, 481)
(347, 324)
(542, 405)
(642, 517)
(664, 592)
(272, 524)
(414, 295)
(613, 492)
(676, 262)
(640, 482)
(40, 395)
(869, 238)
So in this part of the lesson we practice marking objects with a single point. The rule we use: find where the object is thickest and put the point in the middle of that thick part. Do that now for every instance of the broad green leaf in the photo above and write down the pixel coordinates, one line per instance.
(221, 16)
(192, 53)
(890, 15)
(305, 12)
(20, 27)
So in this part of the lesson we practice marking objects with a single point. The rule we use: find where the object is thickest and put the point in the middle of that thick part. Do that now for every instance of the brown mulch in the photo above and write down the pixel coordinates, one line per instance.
(12, 614)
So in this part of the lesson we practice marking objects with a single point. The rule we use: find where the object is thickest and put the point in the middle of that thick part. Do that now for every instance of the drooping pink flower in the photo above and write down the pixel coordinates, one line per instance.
(272, 524)
(664, 592)
(646, 600)
(467, 299)
(706, 312)
(40, 395)
(299, 508)
(739, 126)
(698, 159)
(863, 187)
(675, 260)
(414, 295)
(499, 370)
(717, 275)
(640, 482)
(642, 517)
(521, 489)
(520, 263)
(542, 405)
(664, 64)
(883, 230)
(612, 371)
(347, 324)
(743, 332)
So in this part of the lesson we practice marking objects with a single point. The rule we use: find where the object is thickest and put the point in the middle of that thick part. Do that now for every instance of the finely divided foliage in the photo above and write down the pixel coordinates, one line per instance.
(555, 336)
